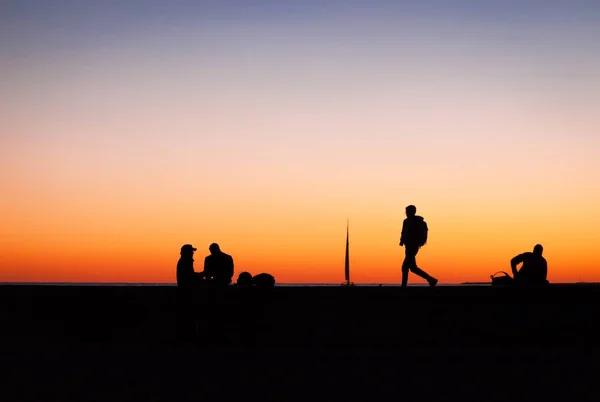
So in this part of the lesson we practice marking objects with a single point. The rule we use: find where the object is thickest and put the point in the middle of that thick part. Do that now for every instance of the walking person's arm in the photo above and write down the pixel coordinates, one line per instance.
(402, 233)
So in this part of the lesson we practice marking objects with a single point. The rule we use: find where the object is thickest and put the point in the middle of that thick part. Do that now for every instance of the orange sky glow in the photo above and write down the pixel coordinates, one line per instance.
(122, 141)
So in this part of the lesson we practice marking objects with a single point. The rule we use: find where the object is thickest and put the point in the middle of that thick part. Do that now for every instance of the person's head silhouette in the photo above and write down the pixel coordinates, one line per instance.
(214, 248)
(187, 250)
(538, 249)
(411, 210)
(244, 279)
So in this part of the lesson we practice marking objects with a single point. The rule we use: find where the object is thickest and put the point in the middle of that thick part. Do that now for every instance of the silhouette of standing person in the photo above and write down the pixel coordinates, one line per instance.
(186, 276)
(413, 237)
(534, 270)
(218, 266)
(187, 279)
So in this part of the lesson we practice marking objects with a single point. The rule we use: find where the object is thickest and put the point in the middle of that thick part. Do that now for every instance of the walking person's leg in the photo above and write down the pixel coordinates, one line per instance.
(409, 262)
(404, 277)
(418, 271)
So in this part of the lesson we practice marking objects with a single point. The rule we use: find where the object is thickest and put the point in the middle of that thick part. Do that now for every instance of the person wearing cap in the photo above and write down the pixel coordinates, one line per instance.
(186, 276)
(188, 282)
(218, 266)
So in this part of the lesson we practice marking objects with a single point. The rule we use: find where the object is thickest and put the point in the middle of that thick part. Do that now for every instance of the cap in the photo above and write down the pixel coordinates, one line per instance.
(188, 247)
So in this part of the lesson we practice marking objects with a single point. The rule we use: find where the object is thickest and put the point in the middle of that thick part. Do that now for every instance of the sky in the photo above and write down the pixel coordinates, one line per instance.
(130, 128)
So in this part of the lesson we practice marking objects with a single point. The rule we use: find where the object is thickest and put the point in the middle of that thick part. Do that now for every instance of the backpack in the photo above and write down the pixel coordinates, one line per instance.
(422, 232)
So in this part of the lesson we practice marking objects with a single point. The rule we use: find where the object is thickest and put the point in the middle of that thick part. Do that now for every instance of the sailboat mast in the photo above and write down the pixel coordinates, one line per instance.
(347, 262)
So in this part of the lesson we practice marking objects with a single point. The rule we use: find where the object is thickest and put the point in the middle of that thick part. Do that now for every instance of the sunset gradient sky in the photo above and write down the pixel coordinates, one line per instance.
(130, 128)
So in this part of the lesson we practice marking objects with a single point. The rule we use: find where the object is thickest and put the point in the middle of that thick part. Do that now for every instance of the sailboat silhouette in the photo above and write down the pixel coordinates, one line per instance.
(347, 260)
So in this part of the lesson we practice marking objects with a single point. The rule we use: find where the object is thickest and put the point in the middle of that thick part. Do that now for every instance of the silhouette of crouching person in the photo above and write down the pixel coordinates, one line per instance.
(262, 280)
(255, 316)
(244, 280)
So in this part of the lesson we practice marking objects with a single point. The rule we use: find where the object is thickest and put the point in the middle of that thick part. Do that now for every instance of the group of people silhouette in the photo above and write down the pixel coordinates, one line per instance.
(218, 266)
(218, 270)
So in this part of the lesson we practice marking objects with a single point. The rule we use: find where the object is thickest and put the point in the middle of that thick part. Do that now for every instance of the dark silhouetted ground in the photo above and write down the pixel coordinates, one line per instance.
(314, 343)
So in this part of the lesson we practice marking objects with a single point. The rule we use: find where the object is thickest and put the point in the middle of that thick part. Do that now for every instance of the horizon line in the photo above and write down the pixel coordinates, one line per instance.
(388, 284)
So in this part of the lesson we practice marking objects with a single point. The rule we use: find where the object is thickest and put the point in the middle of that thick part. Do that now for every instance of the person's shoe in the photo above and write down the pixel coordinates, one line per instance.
(432, 282)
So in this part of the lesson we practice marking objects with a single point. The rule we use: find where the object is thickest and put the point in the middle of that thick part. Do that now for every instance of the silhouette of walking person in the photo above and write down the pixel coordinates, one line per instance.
(413, 237)
(218, 266)
(534, 270)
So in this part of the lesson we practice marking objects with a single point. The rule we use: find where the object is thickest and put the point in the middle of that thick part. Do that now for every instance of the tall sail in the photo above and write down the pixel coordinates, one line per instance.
(347, 264)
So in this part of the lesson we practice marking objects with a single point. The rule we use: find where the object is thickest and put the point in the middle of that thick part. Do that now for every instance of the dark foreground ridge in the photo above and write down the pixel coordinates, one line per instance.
(286, 343)
(307, 315)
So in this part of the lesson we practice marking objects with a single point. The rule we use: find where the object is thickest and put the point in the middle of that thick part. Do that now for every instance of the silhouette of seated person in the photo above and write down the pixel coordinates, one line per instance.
(186, 276)
(244, 280)
(534, 270)
(263, 280)
(218, 266)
